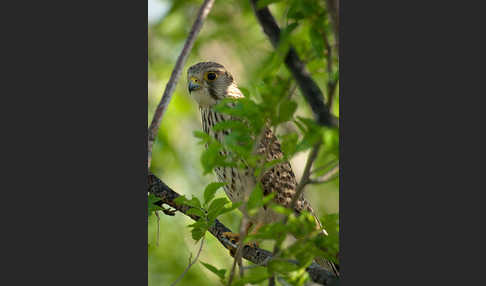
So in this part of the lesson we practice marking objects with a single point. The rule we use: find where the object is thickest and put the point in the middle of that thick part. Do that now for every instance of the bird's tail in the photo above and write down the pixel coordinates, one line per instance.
(325, 263)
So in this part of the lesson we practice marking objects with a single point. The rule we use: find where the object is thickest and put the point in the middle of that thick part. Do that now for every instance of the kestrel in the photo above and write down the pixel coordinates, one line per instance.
(210, 82)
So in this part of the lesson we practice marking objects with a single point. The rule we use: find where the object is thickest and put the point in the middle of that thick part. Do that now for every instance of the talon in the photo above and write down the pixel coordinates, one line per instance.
(169, 212)
(253, 244)
(234, 238)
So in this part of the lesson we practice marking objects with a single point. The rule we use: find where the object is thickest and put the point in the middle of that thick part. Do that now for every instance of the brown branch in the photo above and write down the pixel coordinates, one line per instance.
(253, 254)
(331, 83)
(174, 77)
(309, 88)
(306, 175)
(332, 7)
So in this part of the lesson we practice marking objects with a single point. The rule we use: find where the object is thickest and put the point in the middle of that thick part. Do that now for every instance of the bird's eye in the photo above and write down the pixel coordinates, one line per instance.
(211, 76)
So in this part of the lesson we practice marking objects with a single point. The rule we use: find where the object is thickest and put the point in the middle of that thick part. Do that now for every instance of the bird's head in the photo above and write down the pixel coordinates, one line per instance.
(209, 82)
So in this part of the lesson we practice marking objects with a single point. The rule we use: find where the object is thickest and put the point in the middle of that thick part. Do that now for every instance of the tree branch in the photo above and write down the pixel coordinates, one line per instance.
(332, 7)
(331, 83)
(176, 72)
(307, 85)
(256, 255)
(306, 175)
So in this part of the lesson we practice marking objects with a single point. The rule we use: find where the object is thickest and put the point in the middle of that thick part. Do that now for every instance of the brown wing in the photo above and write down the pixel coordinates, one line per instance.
(280, 179)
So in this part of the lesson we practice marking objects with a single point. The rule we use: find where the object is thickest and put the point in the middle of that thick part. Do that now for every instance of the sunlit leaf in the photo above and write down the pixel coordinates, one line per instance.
(152, 207)
(281, 266)
(219, 272)
(211, 190)
(256, 198)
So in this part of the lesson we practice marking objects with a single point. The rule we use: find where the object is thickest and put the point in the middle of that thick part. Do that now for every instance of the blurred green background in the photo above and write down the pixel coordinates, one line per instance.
(231, 36)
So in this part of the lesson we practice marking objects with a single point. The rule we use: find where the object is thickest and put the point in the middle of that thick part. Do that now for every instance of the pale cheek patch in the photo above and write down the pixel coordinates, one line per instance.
(203, 98)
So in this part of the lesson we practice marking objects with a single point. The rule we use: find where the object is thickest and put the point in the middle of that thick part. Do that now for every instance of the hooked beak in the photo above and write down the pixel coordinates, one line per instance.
(193, 84)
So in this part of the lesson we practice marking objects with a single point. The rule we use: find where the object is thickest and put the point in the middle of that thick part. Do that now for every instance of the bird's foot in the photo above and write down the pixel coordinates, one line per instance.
(234, 238)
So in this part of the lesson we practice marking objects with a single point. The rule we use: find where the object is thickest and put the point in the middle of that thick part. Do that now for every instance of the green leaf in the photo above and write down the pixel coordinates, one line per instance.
(268, 198)
(302, 225)
(211, 158)
(199, 228)
(317, 41)
(219, 272)
(254, 275)
(229, 124)
(196, 211)
(304, 250)
(281, 266)
(269, 231)
(152, 207)
(231, 207)
(193, 202)
(245, 91)
(301, 9)
(329, 244)
(289, 144)
(256, 198)
(285, 111)
(211, 190)
(205, 138)
(297, 278)
(312, 133)
(282, 210)
(216, 207)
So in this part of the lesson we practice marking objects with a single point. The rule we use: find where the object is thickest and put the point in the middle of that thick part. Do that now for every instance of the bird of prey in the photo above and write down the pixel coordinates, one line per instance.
(210, 82)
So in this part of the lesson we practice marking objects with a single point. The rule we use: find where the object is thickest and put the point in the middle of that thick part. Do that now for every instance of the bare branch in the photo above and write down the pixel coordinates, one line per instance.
(331, 83)
(332, 7)
(176, 72)
(307, 85)
(253, 254)
(191, 263)
(306, 175)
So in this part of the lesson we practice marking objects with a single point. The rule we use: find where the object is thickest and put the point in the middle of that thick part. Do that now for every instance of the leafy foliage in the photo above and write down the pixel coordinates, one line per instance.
(152, 207)
(232, 36)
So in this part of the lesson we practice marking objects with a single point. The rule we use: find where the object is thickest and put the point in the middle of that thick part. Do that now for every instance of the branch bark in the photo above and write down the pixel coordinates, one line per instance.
(307, 85)
(256, 255)
(332, 7)
(176, 72)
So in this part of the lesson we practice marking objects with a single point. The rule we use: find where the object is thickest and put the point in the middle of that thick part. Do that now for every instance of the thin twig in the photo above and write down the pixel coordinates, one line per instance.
(158, 228)
(292, 91)
(326, 177)
(256, 255)
(176, 72)
(332, 7)
(239, 250)
(191, 263)
(325, 166)
(331, 83)
(306, 175)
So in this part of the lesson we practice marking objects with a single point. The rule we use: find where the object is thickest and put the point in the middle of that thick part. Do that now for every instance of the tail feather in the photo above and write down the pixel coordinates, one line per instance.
(328, 265)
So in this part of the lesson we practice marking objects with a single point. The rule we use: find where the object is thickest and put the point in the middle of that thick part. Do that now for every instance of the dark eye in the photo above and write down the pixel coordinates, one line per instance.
(211, 76)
